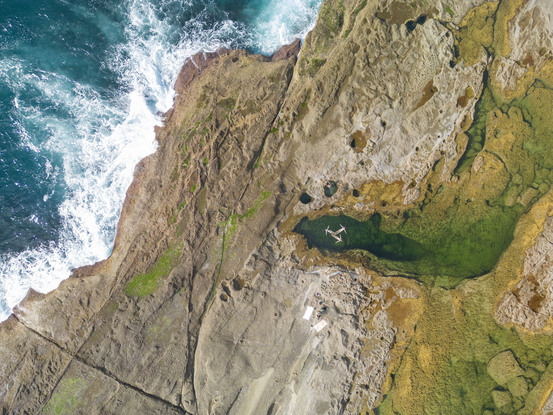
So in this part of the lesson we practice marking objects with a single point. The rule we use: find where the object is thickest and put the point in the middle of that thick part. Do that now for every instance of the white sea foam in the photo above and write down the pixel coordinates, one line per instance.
(280, 22)
(100, 140)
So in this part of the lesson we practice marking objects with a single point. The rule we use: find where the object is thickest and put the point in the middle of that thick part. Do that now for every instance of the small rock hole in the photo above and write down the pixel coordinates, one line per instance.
(353, 144)
(330, 188)
(305, 198)
(355, 193)
(383, 123)
(238, 283)
(412, 24)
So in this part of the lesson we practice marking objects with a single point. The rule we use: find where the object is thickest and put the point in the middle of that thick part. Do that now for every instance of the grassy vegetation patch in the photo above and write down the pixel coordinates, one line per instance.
(331, 17)
(361, 7)
(145, 284)
(462, 362)
(257, 205)
(315, 65)
(227, 104)
(475, 34)
(66, 398)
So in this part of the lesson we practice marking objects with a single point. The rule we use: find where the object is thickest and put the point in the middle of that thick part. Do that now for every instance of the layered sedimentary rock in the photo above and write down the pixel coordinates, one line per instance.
(431, 116)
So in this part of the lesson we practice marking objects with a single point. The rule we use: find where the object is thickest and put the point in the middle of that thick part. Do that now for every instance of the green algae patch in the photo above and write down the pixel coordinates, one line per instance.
(460, 229)
(475, 34)
(229, 228)
(446, 254)
(66, 399)
(366, 235)
(331, 17)
(462, 362)
(256, 205)
(145, 284)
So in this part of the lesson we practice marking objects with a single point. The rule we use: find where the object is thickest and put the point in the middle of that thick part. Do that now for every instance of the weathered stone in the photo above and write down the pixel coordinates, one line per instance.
(504, 367)
(199, 308)
(517, 386)
(501, 399)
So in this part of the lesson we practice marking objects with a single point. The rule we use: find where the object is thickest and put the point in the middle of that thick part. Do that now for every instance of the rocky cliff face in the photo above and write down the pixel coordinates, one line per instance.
(427, 126)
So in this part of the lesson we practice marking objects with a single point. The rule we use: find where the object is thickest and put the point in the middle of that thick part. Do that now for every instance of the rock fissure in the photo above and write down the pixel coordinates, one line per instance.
(104, 371)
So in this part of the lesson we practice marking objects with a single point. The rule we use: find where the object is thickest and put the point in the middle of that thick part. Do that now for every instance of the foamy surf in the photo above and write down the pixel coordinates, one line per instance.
(93, 140)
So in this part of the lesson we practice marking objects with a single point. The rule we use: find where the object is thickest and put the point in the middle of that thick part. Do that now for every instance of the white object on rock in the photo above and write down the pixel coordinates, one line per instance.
(308, 312)
(320, 325)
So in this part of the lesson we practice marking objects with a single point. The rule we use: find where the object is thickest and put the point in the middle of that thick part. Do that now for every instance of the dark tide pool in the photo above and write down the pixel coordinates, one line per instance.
(445, 254)
(460, 230)
(366, 235)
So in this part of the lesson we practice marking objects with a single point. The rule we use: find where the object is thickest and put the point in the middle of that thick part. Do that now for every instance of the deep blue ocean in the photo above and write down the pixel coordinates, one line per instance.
(81, 82)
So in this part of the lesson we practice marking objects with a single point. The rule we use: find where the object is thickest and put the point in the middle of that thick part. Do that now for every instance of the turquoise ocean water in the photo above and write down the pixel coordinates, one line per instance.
(81, 82)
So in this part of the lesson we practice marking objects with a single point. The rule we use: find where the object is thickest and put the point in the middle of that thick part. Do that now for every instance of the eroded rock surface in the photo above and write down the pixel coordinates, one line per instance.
(204, 307)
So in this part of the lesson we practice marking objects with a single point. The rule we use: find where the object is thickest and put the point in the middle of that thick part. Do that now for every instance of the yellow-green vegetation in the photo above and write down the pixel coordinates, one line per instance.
(66, 398)
(331, 17)
(461, 228)
(476, 33)
(161, 325)
(201, 201)
(460, 361)
(229, 228)
(145, 284)
(257, 205)
(464, 99)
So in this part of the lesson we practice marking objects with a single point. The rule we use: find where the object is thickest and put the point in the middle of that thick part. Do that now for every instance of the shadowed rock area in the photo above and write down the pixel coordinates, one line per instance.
(425, 121)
